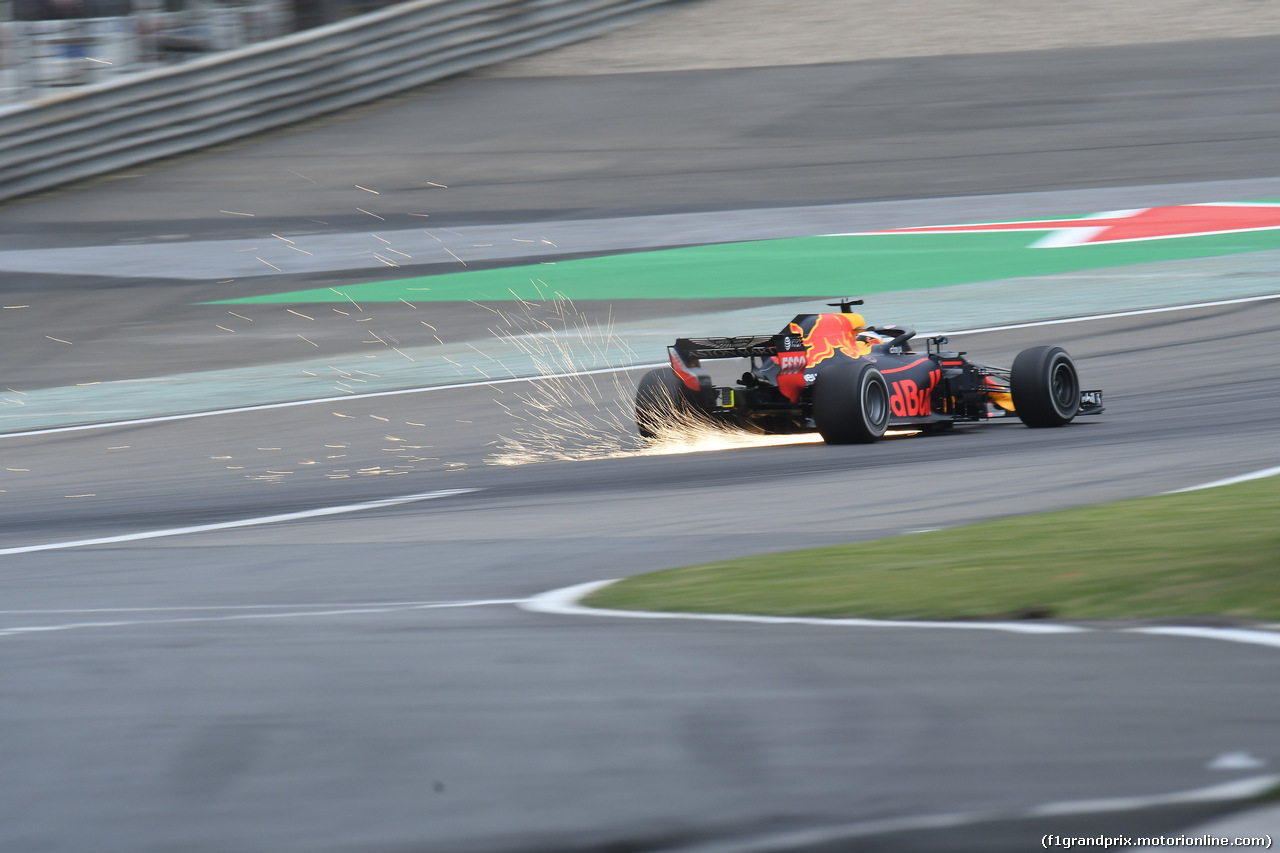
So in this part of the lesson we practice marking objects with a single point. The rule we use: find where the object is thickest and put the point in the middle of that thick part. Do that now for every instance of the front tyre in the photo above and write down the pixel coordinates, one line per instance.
(1045, 387)
(851, 403)
(663, 402)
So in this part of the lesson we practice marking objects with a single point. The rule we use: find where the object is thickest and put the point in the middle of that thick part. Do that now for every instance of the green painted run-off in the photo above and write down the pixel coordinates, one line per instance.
(800, 267)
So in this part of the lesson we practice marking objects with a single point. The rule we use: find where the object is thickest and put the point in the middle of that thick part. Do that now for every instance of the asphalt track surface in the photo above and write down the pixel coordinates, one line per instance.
(298, 686)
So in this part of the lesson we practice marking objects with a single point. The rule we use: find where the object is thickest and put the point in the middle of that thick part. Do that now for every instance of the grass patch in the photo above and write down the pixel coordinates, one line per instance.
(1214, 552)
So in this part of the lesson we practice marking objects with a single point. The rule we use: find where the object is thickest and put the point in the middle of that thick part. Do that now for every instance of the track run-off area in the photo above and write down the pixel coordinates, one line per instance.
(295, 445)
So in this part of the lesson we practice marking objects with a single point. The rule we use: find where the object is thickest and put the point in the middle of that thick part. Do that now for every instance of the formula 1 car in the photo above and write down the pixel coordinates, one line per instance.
(851, 382)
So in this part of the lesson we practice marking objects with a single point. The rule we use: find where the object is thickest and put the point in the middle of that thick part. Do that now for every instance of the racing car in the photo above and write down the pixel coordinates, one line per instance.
(852, 382)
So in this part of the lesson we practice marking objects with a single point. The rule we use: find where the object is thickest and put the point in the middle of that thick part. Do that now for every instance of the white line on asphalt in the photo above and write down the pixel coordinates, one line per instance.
(1239, 789)
(243, 522)
(222, 607)
(1231, 635)
(1230, 481)
(801, 839)
(565, 602)
(187, 620)
(344, 399)
(1137, 312)
(605, 370)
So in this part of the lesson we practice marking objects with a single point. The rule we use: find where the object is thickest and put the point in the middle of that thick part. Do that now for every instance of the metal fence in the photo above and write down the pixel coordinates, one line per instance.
(98, 128)
(50, 44)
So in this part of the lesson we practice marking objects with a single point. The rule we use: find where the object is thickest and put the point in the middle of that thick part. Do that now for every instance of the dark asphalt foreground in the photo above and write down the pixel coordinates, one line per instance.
(272, 688)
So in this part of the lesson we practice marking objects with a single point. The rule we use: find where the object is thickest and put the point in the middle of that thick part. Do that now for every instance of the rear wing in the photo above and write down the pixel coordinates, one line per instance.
(688, 353)
(693, 350)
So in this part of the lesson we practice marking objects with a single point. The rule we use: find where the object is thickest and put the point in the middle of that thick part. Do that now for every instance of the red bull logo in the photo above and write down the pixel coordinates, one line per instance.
(909, 400)
(832, 333)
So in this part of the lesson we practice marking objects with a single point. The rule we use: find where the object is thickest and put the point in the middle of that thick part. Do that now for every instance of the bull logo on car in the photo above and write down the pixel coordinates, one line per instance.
(835, 333)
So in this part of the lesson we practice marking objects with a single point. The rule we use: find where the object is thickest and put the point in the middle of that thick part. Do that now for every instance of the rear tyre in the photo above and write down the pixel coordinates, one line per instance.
(851, 403)
(1045, 387)
(663, 401)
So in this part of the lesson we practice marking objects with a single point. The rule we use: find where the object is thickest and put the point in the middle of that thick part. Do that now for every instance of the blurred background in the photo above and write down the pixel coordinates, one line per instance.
(51, 44)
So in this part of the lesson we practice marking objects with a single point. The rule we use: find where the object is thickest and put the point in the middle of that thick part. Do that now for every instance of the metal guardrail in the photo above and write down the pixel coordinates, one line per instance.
(100, 128)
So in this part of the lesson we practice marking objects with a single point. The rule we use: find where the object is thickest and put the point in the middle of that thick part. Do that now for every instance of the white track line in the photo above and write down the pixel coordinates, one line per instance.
(221, 607)
(243, 522)
(1230, 635)
(1134, 313)
(1230, 481)
(239, 617)
(605, 370)
(565, 602)
(1241, 789)
(263, 407)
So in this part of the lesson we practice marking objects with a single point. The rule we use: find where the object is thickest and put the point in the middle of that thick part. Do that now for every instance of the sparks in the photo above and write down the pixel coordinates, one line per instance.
(348, 297)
